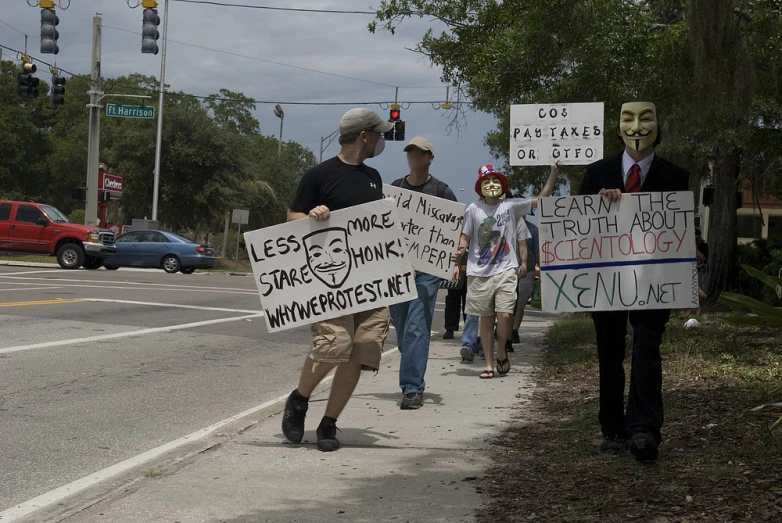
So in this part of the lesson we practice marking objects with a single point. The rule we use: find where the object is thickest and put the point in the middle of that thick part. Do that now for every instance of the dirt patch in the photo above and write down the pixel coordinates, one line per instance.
(717, 463)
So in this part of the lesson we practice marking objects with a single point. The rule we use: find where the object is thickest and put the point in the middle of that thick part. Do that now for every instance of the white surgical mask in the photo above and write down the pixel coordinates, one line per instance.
(380, 146)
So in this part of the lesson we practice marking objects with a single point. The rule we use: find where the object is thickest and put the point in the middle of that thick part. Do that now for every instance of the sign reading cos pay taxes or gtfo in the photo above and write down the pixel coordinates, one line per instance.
(543, 134)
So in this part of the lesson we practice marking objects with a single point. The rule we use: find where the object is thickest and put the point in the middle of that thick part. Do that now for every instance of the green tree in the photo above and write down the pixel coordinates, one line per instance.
(715, 82)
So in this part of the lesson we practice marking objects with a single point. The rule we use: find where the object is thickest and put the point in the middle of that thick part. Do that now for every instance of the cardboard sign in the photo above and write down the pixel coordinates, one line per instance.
(431, 226)
(637, 253)
(308, 271)
(570, 133)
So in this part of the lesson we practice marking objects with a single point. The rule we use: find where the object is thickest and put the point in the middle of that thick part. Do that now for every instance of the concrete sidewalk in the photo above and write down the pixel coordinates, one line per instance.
(394, 465)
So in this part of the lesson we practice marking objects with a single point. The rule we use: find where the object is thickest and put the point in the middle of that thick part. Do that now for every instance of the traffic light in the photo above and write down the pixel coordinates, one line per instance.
(399, 131)
(104, 197)
(27, 84)
(58, 88)
(49, 33)
(149, 32)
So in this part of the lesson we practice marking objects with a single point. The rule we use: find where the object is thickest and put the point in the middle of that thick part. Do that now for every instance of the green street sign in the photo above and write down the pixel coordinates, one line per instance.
(130, 111)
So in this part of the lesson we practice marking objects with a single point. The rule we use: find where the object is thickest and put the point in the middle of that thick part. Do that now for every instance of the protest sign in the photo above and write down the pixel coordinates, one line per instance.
(308, 271)
(636, 253)
(431, 226)
(570, 133)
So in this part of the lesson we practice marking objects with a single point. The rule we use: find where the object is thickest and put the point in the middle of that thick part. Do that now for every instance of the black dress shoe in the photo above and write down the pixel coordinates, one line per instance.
(644, 447)
(613, 443)
(448, 335)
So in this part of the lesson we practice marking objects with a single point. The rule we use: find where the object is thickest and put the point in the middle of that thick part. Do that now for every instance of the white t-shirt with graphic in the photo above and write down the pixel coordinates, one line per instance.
(493, 235)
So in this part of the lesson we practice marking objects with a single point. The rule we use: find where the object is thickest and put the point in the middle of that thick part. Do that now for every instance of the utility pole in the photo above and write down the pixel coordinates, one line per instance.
(156, 186)
(329, 138)
(279, 113)
(93, 151)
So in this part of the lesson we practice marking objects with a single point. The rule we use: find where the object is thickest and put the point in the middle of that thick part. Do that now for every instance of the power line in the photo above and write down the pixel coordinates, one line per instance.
(39, 60)
(268, 8)
(250, 100)
(231, 53)
(262, 60)
(12, 27)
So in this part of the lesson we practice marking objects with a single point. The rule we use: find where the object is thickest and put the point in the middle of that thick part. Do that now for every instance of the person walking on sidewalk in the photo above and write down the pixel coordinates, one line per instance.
(455, 302)
(637, 169)
(413, 319)
(492, 263)
(527, 283)
(354, 342)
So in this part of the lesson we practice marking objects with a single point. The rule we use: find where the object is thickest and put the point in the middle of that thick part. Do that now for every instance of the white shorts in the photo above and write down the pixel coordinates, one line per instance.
(489, 295)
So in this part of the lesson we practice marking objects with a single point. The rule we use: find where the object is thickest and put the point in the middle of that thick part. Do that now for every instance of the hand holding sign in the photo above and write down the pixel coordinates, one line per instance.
(320, 213)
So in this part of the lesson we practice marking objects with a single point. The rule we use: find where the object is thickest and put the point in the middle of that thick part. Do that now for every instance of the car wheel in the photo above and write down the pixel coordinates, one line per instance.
(111, 267)
(92, 263)
(70, 256)
(188, 270)
(171, 264)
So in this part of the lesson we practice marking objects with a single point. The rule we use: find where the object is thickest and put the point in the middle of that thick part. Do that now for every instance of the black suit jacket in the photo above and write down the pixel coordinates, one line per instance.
(663, 176)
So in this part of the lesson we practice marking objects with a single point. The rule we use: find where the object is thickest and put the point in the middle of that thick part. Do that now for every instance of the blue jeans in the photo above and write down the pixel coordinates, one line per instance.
(413, 323)
(470, 335)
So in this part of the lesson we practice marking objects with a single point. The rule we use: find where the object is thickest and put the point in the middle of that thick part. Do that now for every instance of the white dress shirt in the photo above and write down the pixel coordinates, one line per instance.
(645, 165)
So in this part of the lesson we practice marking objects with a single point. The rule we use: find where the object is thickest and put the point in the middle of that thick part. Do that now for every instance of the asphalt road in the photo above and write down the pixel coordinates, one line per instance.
(99, 366)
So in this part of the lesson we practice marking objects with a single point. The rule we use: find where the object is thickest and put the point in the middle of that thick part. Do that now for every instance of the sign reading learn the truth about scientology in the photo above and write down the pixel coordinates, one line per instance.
(542, 134)
(432, 227)
(637, 253)
(308, 271)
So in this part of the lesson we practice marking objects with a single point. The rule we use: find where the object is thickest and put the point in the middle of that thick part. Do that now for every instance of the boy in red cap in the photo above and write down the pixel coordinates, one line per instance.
(492, 264)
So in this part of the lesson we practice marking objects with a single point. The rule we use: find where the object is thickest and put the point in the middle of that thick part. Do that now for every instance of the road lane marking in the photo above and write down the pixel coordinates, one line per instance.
(29, 289)
(173, 305)
(57, 301)
(57, 495)
(117, 335)
(128, 283)
(118, 287)
(26, 272)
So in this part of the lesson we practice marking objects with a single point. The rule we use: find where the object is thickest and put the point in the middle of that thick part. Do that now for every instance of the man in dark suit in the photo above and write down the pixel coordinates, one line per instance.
(637, 169)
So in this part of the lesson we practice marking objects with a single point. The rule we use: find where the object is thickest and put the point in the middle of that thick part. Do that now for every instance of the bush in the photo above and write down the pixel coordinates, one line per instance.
(765, 256)
(77, 216)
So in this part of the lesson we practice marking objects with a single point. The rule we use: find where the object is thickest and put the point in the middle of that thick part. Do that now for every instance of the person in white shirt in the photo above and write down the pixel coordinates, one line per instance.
(492, 263)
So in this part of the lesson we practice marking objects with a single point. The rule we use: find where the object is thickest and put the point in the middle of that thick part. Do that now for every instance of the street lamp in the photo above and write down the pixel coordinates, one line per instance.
(279, 113)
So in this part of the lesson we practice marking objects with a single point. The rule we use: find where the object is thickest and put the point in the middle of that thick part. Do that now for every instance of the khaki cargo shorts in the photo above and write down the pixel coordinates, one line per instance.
(355, 337)
(489, 295)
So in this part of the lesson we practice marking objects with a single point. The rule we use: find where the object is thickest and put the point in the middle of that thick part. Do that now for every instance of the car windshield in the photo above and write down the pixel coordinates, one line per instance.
(181, 238)
(54, 214)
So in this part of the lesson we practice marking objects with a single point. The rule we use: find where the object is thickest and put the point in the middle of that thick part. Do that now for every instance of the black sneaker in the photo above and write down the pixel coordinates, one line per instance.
(448, 335)
(643, 447)
(514, 337)
(467, 355)
(327, 435)
(412, 401)
(509, 347)
(613, 444)
(293, 417)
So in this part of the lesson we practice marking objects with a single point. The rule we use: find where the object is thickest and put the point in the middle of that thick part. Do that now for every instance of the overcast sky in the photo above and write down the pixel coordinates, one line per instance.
(335, 43)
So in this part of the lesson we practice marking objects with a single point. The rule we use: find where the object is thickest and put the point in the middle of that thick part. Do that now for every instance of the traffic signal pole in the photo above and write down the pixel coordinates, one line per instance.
(156, 185)
(93, 149)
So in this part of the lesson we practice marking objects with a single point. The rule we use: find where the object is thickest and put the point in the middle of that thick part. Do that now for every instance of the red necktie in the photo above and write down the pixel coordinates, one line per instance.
(633, 183)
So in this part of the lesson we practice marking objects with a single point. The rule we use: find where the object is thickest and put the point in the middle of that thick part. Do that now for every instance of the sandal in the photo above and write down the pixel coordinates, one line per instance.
(487, 375)
(501, 369)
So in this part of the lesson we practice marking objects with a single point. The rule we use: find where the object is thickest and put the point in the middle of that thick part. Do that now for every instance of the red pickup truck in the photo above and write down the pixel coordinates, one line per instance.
(34, 228)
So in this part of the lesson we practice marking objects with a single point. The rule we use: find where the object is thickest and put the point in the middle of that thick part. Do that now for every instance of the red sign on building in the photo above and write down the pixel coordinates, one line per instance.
(111, 183)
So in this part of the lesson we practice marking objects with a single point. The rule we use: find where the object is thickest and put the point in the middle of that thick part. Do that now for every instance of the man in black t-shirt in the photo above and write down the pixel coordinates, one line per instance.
(354, 342)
